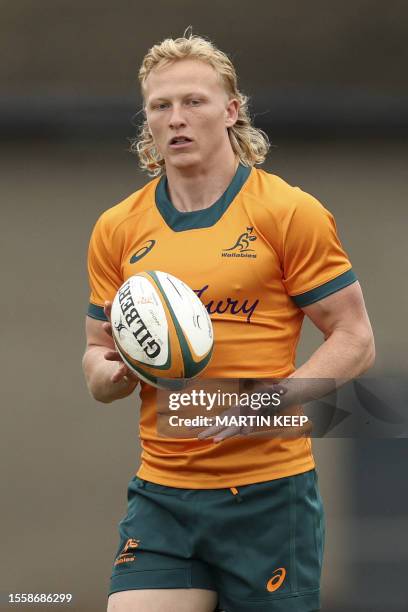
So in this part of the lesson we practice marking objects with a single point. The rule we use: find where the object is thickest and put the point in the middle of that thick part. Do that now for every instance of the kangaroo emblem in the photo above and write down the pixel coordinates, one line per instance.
(243, 241)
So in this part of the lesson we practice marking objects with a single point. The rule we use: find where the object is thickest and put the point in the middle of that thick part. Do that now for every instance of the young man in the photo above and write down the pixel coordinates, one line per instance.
(260, 254)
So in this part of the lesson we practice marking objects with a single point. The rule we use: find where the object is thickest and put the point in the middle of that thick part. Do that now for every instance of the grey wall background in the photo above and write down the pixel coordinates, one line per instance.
(328, 84)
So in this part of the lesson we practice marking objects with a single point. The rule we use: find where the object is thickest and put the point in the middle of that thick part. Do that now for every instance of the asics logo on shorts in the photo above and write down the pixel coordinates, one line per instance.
(276, 580)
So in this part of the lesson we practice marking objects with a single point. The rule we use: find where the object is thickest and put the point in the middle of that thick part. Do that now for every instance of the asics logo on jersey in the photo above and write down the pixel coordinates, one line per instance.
(144, 250)
(276, 580)
(241, 246)
(127, 553)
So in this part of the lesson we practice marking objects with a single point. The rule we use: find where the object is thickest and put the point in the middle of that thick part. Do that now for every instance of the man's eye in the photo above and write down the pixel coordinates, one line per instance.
(161, 106)
(194, 102)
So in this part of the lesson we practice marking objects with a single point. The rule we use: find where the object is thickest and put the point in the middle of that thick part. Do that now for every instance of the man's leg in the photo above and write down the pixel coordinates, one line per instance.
(271, 556)
(155, 568)
(163, 600)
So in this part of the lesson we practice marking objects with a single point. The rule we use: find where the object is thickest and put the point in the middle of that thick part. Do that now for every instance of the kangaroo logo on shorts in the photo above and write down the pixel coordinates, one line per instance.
(276, 580)
(127, 553)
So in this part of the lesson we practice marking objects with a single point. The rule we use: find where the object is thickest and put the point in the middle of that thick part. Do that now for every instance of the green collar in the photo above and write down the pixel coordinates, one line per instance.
(196, 219)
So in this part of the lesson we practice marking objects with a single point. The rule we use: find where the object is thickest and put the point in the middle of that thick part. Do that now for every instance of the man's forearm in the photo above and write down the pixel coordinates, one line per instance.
(342, 357)
(98, 372)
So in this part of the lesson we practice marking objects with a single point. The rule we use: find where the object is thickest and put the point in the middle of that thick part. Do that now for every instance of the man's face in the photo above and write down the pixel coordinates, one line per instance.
(188, 112)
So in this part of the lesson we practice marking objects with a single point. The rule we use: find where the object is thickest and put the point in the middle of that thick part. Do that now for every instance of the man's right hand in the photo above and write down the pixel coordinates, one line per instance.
(107, 376)
(123, 372)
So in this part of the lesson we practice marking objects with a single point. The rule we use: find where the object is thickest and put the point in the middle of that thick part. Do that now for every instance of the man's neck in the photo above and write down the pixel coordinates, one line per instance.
(199, 188)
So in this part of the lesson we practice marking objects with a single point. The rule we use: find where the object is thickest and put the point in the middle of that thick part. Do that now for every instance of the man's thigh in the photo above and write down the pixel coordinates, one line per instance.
(163, 600)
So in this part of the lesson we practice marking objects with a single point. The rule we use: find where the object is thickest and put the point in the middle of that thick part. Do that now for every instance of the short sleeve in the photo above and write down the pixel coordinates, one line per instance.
(103, 269)
(315, 264)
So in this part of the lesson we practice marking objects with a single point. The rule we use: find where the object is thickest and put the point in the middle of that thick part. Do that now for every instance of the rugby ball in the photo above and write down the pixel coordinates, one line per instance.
(161, 329)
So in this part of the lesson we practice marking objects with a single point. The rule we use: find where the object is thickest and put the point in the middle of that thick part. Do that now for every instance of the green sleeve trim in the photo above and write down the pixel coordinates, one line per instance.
(309, 297)
(96, 312)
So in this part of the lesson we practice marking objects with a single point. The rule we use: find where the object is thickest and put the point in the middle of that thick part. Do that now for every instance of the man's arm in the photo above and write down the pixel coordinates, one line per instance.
(347, 352)
(107, 377)
(349, 348)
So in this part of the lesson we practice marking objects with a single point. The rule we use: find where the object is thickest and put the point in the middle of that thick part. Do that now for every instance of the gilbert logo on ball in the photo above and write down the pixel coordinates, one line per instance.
(161, 328)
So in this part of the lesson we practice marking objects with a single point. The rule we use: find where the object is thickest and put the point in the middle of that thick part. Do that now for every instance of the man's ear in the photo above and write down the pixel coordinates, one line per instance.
(231, 112)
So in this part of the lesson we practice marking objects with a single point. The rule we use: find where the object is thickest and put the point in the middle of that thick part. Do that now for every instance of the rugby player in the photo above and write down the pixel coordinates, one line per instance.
(236, 525)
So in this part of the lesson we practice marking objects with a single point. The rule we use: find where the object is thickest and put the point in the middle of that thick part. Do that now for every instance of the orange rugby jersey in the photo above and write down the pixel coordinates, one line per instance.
(255, 257)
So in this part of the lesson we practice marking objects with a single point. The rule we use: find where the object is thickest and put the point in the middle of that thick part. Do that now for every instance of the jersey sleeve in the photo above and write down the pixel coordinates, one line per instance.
(315, 264)
(103, 268)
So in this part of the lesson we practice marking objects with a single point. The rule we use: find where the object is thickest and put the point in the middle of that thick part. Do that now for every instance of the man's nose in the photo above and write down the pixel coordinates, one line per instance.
(176, 118)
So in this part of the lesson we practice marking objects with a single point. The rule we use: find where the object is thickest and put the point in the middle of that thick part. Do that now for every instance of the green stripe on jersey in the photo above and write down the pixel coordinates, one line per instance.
(309, 297)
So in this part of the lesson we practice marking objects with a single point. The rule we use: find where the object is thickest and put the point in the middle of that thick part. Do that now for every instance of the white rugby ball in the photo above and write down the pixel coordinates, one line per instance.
(161, 328)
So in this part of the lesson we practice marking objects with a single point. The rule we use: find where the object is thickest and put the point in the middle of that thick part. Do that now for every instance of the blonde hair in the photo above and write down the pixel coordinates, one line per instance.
(249, 144)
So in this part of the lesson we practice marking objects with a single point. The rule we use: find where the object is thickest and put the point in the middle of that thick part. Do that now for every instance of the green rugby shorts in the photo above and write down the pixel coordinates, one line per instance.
(259, 546)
